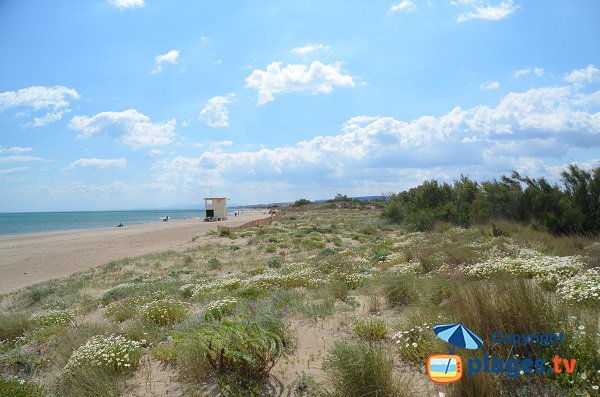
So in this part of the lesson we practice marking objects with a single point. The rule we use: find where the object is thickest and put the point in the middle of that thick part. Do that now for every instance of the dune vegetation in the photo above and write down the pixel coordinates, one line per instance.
(330, 300)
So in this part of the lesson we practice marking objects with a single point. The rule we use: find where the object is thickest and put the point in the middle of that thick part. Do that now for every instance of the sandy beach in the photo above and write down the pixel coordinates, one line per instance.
(33, 258)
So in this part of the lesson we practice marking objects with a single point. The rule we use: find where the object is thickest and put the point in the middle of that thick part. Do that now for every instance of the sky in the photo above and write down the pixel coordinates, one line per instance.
(135, 104)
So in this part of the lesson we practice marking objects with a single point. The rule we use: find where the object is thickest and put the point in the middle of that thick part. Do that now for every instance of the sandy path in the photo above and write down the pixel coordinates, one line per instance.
(33, 258)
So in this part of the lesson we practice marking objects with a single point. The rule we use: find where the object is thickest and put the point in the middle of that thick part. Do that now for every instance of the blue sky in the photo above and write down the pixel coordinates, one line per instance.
(120, 104)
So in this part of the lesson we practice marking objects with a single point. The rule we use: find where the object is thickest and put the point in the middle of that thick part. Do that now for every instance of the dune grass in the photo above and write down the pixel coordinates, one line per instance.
(221, 314)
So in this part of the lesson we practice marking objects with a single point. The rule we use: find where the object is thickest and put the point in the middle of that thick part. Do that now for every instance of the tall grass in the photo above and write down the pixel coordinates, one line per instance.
(13, 325)
(90, 382)
(361, 369)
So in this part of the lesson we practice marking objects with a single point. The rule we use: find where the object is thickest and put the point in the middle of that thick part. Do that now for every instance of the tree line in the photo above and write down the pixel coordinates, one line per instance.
(570, 207)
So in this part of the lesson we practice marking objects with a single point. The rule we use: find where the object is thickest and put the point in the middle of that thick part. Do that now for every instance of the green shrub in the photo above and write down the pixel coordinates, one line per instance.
(165, 352)
(242, 349)
(380, 255)
(36, 293)
(19, 388)
(305, 385)
(127, 308)
(361, 369)
(214, 264)
(13, 325)
(116, 354)
(398, 289)
(52, 317)
(301, 202)
(165, 311)
(274, 263)
(89, 382)
(218, 309)
(370, 329)
(121, 291)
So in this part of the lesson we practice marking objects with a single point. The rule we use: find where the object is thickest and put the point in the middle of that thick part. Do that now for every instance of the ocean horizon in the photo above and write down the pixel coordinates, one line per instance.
(36, 222)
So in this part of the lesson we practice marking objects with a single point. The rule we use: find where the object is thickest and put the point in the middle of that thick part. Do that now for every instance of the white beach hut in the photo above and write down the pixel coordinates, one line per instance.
(216, 208)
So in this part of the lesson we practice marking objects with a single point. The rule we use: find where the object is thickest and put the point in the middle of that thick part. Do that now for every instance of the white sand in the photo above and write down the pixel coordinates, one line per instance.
(32, 258)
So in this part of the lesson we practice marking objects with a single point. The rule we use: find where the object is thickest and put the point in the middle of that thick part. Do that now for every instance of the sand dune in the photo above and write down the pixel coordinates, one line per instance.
(33, 258)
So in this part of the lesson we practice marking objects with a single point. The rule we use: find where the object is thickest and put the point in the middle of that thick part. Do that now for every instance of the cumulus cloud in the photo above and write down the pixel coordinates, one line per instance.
(587, 75)
(96, 163)
(404, 5)
(54, 100)
(522, 132)
(215, 112)
(318, 78)
(490, 85)
(482, 10)
(130, 126)
(307, 49)
(122, 4)
(169, 57)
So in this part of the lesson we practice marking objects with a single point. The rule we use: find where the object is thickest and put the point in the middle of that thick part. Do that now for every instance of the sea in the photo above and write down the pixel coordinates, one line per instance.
(34, 222)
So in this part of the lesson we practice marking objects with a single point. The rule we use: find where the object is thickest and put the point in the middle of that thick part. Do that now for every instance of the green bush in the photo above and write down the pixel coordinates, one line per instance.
(13, 325)
(398, 289)
(370, 329)
(89, 382)
(121, 291)
(52, 317)
(301, 202)
(361, 369)
(19, 388)
(274, 263)
(165, 311)
(214, 264)
(241, 349)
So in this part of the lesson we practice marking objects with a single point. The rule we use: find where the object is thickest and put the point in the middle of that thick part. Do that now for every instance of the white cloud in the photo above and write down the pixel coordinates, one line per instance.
(490, 85)
(588, 75)
(55, 100)
(316, 78)
(153, 153)
(539, 72)
(215, 112)
(218, 144)
(127, 3)
(131, 126)
(488, 12)
(522, 72)
(6, 171)
(15, 149)
(96, 163)
(18, 159)
(522, 132)
(169, 57)
(307, 49)
(404, 5)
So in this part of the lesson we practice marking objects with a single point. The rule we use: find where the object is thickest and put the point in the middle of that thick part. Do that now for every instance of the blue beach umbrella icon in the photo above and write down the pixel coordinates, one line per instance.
(458, 335)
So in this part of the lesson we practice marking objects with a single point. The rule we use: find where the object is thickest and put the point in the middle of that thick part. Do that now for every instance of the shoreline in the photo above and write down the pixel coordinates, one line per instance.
(32, 258)
(246, 211)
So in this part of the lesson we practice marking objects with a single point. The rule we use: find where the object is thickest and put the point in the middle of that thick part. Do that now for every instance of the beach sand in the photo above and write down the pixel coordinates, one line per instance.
(32, 258)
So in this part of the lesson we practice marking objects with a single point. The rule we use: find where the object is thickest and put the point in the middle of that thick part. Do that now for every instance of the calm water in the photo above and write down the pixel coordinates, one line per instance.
(32, 222)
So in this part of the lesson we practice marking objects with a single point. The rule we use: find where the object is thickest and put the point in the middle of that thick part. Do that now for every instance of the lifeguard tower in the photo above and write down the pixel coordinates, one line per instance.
(216, 209)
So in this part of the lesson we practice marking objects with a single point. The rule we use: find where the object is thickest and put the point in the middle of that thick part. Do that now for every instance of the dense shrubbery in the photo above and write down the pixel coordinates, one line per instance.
(245, 350)
(574, 208)
(301, 202)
